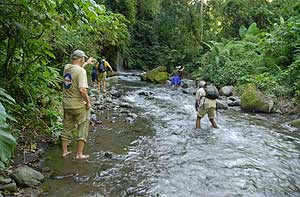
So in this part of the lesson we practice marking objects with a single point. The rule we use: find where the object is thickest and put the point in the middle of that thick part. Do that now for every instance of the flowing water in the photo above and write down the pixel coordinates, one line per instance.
(162, 154)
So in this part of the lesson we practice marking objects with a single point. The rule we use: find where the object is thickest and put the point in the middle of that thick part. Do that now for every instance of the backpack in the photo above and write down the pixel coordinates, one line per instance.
(101, 67)
(211, 92)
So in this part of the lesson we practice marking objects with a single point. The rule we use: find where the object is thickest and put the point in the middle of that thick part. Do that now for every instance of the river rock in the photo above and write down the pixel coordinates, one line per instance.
(226, 91)
(126, 105)
(94, 91)
(221, 104)
(4, 180)
(11, 187)
(113, 79)
(184, 85)
(295, 123)
(189, 82)
(158, 75)
(27, 177)
(234, 101)
(115, 94)
(255, 101)
(190, 90)
(144, 93)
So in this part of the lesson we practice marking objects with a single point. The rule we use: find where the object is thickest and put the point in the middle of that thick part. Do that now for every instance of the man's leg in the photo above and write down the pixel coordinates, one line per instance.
(201, 113)
(104, 83)
(69, 126)
(99, 86)
(80, 147)
(104, 87)
(83, 129)
(211, 116)
(213, 123)
(198, 122)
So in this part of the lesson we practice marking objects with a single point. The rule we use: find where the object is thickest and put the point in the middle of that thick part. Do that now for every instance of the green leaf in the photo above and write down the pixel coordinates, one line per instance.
(50, 54)
(6, 97)
(7, 141)
(281, 20)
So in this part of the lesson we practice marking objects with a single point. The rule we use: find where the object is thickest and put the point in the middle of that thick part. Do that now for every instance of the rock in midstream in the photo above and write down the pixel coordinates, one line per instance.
(27, 177)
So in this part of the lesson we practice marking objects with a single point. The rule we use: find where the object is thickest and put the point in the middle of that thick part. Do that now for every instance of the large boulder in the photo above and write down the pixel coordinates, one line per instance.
(158, 75)
(27, 177)
(255, 101)
(226, 91)
(295, 123)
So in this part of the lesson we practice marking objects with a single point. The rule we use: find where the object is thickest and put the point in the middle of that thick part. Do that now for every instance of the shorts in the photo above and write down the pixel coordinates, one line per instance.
(102, 76)
(210, 111)
(73, 118)
(94, 76)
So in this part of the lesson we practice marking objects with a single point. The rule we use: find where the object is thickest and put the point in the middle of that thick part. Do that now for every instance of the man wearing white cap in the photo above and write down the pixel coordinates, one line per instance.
(76, 103)
(205, 104)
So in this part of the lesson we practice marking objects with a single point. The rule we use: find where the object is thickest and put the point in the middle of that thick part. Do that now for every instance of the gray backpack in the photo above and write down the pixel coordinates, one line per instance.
(211, 92)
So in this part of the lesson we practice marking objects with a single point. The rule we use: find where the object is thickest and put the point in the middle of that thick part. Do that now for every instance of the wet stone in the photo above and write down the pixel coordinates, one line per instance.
(185, 86)
(221, 104)
(115, 94)
(108, 155)
(4, 180)
(125, 105)
(46, 169)
(27, 177)
(132, 115)
(11, 187)
(146, 94)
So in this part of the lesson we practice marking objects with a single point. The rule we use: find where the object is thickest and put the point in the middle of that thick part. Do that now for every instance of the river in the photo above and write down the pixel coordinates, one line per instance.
(160, 153)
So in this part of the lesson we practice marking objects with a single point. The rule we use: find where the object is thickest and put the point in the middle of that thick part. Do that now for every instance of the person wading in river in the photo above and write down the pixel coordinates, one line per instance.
(76, 103)
(206, 103)
(102, 68)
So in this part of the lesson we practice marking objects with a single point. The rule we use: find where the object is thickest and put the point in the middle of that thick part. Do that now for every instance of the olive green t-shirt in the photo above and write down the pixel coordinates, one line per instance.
(74, 78)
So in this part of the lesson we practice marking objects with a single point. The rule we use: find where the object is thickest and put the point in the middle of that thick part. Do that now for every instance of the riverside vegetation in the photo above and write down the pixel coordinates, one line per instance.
(229, 42)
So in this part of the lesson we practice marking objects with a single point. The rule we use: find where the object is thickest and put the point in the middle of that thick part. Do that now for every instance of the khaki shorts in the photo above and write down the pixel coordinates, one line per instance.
(102, 76)
(73, 118)
(210, 111)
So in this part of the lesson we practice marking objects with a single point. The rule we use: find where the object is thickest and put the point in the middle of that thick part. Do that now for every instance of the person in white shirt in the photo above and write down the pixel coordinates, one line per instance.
(205, 106)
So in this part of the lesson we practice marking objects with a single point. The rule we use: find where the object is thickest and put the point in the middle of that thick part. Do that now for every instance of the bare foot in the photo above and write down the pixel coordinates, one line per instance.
(66, 154)
(81, 157)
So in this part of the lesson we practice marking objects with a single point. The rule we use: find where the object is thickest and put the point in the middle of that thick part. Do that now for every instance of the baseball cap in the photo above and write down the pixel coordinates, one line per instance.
(202, 83)
(78, 54)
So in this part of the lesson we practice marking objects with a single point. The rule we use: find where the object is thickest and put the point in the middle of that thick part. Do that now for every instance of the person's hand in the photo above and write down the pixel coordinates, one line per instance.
(88, 105)
(196, 106)
(90, 60)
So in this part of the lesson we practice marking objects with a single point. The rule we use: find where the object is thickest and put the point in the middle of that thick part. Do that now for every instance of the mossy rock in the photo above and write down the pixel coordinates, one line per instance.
(249, 97)
(254, 101)
(295, 123)
(157, 75)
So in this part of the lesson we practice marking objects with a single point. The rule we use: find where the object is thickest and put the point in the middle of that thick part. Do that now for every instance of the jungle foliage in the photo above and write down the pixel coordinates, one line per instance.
(36, 40)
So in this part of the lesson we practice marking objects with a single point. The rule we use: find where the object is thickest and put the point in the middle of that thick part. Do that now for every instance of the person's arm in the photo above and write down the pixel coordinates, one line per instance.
(89, 61)
(83, 86)
(97, 67)
(197, 100)
(108, 65)
(85, 96)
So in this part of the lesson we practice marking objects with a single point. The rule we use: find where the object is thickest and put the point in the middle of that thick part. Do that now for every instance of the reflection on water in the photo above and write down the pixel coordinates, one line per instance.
(162, 154)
